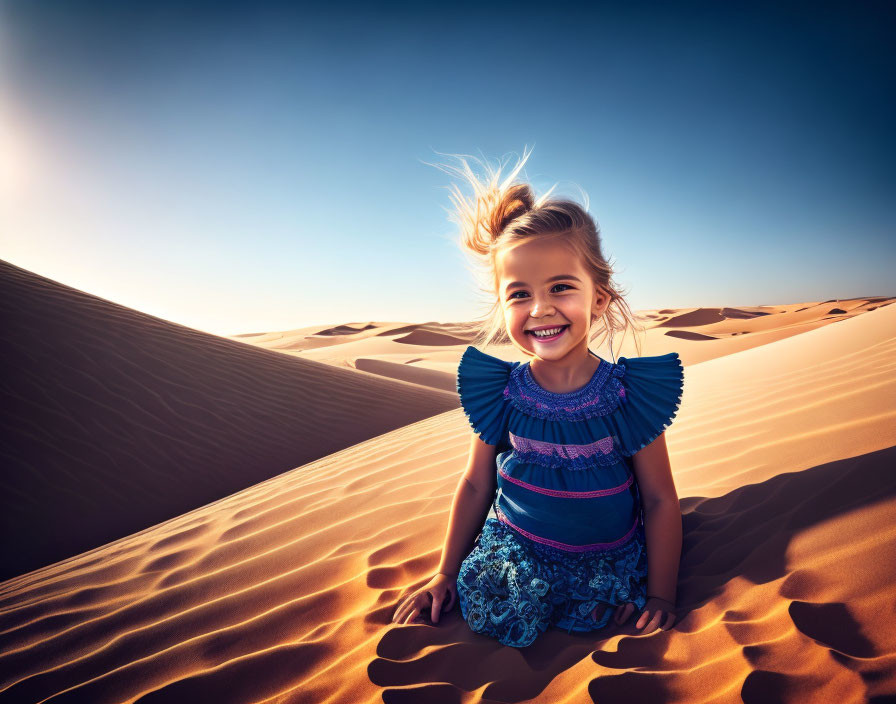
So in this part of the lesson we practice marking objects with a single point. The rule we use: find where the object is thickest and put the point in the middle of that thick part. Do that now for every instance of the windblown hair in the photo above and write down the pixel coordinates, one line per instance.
(501, 213)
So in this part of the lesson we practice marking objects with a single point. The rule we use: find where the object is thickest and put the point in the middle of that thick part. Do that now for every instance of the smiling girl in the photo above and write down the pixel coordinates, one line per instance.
(567, 498)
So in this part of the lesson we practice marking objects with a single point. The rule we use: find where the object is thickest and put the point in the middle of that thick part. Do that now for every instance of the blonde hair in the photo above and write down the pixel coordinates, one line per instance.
(502, 213)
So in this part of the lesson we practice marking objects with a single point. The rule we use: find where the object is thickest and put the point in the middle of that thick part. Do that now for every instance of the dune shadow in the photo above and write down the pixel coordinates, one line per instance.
(114, 421)
(744, 534)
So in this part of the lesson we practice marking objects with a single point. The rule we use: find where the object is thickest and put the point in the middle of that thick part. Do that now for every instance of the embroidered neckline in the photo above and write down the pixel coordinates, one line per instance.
(600, 396)
(600, 375)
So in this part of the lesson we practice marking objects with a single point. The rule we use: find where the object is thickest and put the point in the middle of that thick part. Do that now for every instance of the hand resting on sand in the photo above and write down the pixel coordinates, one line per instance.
(428, 598)
(651, 616)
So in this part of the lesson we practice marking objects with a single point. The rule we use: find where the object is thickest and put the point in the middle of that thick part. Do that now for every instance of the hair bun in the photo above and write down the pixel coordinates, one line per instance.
(493, 205)
(515, 201)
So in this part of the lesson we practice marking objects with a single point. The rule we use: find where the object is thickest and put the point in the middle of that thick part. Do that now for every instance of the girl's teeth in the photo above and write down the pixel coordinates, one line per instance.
(548, 333)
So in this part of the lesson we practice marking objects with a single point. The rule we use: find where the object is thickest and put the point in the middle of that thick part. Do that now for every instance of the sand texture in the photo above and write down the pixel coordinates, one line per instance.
(114, 420)
(289, 491)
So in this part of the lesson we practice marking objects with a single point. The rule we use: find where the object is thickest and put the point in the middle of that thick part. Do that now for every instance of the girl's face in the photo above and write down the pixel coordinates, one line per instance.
(542, 284)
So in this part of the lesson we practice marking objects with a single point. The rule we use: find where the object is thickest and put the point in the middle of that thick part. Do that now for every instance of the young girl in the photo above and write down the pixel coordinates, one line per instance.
(568, 489)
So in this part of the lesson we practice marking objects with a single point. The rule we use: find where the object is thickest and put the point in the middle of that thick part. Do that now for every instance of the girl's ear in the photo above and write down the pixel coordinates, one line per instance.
(599, 299)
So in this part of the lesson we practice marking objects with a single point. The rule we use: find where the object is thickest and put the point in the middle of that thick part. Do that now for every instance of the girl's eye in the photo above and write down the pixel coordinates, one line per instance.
(513, 295)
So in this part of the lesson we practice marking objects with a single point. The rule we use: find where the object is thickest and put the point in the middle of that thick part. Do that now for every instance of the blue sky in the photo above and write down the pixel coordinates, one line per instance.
(240, 168)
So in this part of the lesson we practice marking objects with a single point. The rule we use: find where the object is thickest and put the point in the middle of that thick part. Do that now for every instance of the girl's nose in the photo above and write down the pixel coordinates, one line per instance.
(541, 308)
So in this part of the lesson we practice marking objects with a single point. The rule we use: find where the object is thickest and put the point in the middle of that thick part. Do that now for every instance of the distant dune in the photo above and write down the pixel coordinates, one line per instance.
(283, 590)
(114, 420)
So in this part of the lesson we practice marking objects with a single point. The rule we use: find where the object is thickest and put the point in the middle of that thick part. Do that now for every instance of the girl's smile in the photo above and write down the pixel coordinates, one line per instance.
(549, 303)
(555, 332)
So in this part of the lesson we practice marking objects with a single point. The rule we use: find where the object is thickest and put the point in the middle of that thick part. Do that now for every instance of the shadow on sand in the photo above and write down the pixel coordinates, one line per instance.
(744, 534)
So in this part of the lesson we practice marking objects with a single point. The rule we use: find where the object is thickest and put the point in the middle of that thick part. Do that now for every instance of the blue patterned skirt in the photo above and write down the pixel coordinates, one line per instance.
(512, 588)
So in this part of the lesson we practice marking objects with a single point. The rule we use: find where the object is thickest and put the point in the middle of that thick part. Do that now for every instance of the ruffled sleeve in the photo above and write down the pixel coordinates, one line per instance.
(481, 380)
(649, 399)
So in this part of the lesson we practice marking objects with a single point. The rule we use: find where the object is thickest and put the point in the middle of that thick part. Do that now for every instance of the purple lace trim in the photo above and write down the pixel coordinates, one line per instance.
(602, 446)
(601, 453)
(569, 494)
(566, 546)
(600, 396)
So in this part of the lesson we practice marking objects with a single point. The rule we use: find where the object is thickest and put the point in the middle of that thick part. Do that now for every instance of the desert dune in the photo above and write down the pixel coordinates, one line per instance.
(283, 589)
(114, 420)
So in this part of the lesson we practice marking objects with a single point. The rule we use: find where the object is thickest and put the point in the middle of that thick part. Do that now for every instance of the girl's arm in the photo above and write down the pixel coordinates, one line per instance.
(662, 518)
(469, 508)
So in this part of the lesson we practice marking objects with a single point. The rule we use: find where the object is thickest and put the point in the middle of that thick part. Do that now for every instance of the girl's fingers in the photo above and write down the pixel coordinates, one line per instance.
(407, 610)
(650, 619)
(669, 621)
(413, 612)
(623, 611)
(640, 623)
(645, 617)
(400, 612)
(412, 608)
(436, 609)
(396, 617)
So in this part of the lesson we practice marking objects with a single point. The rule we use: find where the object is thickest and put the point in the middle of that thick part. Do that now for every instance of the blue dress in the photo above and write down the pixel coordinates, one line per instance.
(565, 531)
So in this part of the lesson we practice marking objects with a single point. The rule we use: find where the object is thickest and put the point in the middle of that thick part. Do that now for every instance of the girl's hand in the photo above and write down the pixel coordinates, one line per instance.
(652, 616)
(429, 598)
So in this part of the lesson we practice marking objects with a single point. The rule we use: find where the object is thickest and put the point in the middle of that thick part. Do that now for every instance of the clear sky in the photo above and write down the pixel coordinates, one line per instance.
(251, 167)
